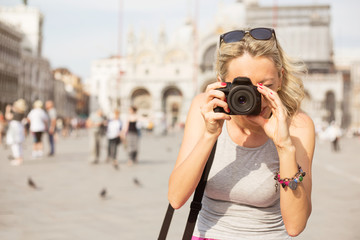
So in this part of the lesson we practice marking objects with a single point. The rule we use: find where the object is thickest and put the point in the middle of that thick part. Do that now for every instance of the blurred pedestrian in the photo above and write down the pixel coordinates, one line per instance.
(95, 124)
(51, 111)
(15, 135)
(334, 134)
(113, 132)
(132, 134)
(2, 126)
(74, 126)
(38, 125)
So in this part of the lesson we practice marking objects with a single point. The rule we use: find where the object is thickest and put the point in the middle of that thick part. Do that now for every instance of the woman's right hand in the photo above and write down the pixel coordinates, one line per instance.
(214, 98)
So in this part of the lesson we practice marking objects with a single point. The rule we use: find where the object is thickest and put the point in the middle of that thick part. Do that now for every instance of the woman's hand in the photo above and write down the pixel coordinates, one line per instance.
(277, 126)
(214, 98)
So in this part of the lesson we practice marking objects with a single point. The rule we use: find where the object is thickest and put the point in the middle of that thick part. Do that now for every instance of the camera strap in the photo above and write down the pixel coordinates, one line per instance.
(195, 205)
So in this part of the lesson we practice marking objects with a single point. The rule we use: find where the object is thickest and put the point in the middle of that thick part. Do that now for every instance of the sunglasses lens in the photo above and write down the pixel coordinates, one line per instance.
(261, 33)
(234, 36)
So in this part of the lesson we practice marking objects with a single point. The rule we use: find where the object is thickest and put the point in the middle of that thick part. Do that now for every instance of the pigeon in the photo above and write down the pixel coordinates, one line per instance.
(32, 184)
(137, 182)
(103, 193)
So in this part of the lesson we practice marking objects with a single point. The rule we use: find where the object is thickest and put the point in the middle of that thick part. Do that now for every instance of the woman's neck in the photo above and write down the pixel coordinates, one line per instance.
(246, 135)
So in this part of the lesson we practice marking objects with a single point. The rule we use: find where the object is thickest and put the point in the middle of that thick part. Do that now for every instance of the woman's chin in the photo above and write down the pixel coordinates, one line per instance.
(265, 113)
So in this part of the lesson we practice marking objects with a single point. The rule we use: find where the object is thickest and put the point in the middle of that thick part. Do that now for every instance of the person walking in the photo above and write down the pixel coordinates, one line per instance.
(259, 185)
(95, 124)
(113, 134)
(51, 111)
(132, 135)
(2, 127)
(334, 134)
(15, 135)
(38, 120)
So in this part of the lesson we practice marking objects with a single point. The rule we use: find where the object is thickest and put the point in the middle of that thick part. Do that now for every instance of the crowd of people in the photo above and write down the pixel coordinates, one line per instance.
(116, 131)
(19, 121)
(16, 125)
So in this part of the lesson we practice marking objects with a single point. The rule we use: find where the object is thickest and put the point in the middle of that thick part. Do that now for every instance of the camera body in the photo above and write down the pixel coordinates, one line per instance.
(242, 96)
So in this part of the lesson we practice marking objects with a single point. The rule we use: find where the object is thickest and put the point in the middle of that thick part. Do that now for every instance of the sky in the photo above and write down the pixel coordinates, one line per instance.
(77, 32)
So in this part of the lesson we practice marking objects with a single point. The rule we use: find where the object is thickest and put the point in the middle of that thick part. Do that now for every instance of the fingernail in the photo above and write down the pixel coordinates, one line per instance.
(260, 87)
(223, 83)
(260, 84)
(225, 100)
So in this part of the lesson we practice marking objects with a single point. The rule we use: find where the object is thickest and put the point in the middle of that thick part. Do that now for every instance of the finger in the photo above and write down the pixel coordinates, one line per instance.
(212, 117)
(269, 95)
(216, 94)
(215, 85)
(215, 102)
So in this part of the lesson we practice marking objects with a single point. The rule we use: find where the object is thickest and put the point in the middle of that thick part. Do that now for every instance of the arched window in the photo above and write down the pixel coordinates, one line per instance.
(141, 99)
(171, 104)
(208, 59)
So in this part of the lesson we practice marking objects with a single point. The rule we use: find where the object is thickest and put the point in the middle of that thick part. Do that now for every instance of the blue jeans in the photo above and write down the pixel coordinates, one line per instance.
(52, 143)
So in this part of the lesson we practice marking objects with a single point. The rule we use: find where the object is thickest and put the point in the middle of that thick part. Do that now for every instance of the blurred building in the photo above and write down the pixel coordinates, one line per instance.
(69, 96)
(355, 97)
(33, 79)
(10, 64)
(25, 73)
(162, 76)
(105, 83)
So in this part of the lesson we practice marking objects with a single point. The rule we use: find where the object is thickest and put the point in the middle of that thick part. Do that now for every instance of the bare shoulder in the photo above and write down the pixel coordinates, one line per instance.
(301, 123)
(199, 99)
(194, 111)
(302, 132)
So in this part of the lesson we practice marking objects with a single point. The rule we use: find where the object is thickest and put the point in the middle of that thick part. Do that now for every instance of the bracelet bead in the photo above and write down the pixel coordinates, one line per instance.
(292, 183)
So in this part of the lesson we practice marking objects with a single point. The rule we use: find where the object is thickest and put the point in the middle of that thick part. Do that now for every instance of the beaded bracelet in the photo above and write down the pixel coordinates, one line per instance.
(291, 182)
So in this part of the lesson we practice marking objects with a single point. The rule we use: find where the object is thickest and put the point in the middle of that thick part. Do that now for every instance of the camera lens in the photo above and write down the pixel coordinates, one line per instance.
(242, 99)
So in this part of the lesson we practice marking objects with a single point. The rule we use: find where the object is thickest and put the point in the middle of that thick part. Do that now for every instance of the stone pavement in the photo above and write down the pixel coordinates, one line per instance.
(68, 205)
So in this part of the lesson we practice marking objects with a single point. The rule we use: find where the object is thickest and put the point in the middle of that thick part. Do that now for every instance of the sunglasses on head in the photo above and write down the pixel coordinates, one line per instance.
(238, 35)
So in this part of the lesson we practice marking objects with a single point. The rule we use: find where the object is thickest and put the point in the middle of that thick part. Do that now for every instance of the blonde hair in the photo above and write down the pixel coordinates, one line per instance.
(292, 88)
(38, 104)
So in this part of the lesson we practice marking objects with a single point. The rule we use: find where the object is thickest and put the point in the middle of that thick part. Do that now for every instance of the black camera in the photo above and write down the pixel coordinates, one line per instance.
(242, 96)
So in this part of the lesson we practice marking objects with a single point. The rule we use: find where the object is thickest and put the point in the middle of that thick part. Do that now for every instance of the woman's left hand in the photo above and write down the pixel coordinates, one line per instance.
(277, 126)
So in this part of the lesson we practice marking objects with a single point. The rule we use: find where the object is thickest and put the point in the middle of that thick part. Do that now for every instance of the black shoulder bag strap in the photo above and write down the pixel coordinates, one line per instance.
(195, 205)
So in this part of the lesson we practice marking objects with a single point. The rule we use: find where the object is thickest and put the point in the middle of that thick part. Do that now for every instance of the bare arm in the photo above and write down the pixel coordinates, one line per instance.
(8, 114)
(295, 142)
(296, 204)
(202, 128)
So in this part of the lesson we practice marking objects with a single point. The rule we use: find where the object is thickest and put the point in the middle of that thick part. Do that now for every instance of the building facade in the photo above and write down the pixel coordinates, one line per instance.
(354, 94)
(10, 64)
(24, 72)
(161, 77)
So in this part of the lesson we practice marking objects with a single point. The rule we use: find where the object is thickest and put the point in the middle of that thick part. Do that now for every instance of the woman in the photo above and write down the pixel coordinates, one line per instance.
(38, 124)
(131, 133)
(257, 157)
(16, 132)
(113, 131)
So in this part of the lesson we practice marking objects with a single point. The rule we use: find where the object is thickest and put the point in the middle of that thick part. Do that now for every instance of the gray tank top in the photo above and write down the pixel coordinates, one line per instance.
(240, 199)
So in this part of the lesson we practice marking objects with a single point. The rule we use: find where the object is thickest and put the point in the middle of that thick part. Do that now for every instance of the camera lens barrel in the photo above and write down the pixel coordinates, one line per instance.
(243, 98)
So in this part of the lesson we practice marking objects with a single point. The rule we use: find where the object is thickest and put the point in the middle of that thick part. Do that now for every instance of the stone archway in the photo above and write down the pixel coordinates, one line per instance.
(142, 100)
(172, 99)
